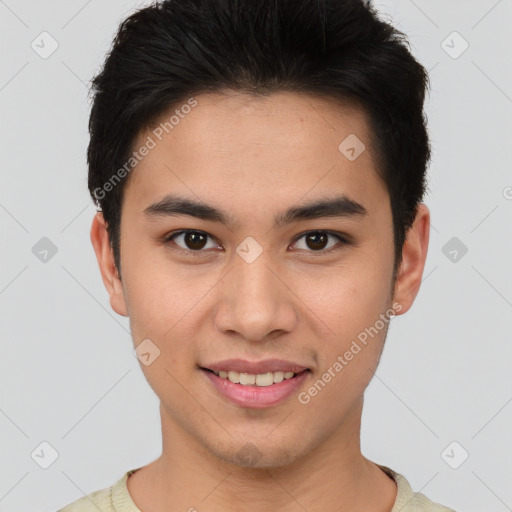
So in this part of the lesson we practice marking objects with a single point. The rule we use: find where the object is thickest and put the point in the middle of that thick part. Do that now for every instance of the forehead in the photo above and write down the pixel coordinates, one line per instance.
(284, 145)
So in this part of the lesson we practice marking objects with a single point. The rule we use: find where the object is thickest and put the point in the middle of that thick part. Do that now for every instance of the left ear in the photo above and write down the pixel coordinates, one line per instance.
(414, 255)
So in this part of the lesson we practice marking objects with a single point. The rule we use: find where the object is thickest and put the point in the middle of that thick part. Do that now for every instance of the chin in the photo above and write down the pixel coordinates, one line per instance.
(257, 455)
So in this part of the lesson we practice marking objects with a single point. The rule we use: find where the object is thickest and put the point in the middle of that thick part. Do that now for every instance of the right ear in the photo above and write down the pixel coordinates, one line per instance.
(105, 257)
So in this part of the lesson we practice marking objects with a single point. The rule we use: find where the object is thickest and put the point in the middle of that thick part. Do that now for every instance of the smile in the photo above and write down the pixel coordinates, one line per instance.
(260, 379)
(255, 391)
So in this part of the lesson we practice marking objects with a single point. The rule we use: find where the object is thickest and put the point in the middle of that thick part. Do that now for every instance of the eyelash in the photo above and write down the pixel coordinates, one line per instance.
(344, 241)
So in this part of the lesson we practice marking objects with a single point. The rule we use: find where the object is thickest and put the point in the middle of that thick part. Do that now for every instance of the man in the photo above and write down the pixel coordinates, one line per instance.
(259, 169)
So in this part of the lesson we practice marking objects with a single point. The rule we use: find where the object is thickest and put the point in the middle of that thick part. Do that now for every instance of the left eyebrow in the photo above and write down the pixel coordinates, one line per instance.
(342, 206)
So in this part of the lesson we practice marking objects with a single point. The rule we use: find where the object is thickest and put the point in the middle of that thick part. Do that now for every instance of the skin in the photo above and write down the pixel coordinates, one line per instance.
(255, 157)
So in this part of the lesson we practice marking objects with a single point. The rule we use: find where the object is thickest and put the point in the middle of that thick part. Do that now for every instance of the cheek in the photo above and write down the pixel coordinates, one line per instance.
(350, 301)
(166, 305)
(157, 297)
(161, 307)
(348, 296)
(151, 279)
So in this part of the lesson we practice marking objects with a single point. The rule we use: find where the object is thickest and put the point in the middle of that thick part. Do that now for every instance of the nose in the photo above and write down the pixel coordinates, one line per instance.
(255, 301)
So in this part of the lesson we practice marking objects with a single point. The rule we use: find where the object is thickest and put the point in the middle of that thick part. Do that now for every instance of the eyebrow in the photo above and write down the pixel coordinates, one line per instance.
(341, 206)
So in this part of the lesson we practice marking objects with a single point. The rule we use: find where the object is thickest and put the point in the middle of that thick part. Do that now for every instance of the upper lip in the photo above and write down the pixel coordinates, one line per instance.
(255, 368)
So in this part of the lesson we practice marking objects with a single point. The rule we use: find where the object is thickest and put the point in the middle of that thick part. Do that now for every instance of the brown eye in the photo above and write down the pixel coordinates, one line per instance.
(194, 241)
(317, 241)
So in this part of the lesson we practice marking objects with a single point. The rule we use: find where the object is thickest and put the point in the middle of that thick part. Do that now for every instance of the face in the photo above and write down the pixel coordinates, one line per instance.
(265, 272)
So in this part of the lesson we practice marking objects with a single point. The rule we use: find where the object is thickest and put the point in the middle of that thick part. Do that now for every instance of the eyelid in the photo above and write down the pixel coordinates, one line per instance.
(336, 234)
(342, 238)
(168, 239)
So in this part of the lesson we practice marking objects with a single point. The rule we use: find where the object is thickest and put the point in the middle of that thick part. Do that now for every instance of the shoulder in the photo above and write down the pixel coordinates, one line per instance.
(420, 503)
(101, 500)
(409, 501)
(115, 498)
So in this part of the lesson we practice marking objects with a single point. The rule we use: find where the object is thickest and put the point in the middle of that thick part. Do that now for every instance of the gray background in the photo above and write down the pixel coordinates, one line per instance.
(68, 376)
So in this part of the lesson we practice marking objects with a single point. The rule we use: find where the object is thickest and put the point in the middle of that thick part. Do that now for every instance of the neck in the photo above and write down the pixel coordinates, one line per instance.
(331, 476)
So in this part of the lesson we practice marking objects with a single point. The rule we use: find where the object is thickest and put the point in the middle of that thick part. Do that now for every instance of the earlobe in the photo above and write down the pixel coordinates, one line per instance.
(414, 255)
(106, 263)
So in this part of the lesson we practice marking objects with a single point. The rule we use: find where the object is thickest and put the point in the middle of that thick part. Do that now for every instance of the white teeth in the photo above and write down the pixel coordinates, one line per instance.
(278, 376)
(234, 377)
(248, 379)
(264, 379)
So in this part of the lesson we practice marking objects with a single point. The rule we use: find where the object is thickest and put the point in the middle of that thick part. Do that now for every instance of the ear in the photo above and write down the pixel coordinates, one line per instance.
(105, 257)
(414, 255)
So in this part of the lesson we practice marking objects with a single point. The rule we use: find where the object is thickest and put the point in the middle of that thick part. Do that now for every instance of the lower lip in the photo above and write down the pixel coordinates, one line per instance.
(256, 397)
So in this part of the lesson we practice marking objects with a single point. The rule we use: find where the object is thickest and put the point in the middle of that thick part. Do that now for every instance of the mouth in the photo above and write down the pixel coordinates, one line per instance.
(255, 390)
(257, 380)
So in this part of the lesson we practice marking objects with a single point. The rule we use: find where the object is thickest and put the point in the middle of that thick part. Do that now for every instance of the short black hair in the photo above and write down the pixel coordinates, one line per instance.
(171, 50)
